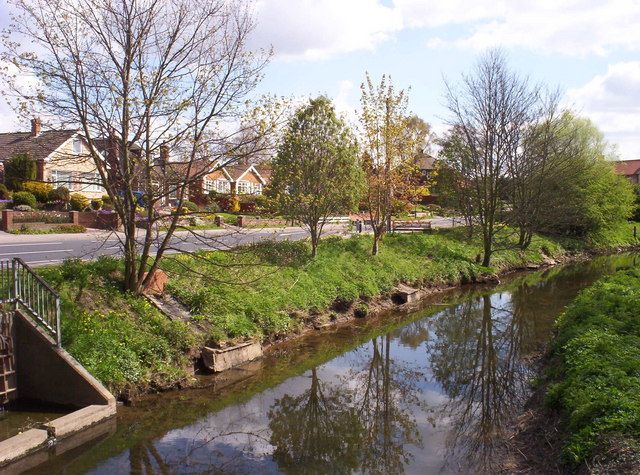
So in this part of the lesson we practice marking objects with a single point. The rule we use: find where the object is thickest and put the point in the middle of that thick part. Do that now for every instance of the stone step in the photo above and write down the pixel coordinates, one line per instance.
(21, 444)
(78, 420)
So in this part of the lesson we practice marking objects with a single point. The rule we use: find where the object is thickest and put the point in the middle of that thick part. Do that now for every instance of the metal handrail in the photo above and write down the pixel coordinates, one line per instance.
(23, 287)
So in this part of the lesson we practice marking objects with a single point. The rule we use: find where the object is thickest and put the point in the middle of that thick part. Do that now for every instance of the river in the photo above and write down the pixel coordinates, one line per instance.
(427, 392)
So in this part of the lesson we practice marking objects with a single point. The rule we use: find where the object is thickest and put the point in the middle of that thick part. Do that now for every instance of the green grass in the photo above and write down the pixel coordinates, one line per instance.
(61, 229)
(266, 290)
(598, 344)
(121, 339)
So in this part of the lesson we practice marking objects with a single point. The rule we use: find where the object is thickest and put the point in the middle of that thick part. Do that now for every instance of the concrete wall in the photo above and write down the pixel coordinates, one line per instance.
(49, 374)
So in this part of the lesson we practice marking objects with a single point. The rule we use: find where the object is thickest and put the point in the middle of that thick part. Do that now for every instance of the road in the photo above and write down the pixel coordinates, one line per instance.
(44, 249)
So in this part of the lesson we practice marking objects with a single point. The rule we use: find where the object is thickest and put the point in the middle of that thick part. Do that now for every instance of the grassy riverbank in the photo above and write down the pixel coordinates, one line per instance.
(598, 348)
(264, 291)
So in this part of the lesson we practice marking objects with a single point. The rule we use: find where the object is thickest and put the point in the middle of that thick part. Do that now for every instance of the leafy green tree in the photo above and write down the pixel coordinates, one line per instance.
(18, 169)
(584, 195)
(316, 172)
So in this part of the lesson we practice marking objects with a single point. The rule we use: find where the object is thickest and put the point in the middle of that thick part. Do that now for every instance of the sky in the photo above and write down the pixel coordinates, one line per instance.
(588, 49)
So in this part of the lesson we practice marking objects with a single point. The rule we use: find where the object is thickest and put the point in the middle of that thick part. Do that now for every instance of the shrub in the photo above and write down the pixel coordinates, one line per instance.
(106, 200)
(96, 204)
(69, 229)
(5, 194)
(18, 169)
(234, 204)
(213, 207)
(24, 198)
(39, 189)
(248, 207)
(190, 206)
(79, 202)
(60, 194)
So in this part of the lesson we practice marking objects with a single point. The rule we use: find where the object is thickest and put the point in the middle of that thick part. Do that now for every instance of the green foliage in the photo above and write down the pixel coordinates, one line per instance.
(78, 202)
(588, 196)
(190, 206)
(18, 169)
(636, 203)
(598, 343)
(24, 198)
(59, 194)
(96, 204)
(316, 172)
(5, 194)
(61, 229)
(39, 189)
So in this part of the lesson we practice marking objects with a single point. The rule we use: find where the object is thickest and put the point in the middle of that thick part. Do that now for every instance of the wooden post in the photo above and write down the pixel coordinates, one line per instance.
(240, 221)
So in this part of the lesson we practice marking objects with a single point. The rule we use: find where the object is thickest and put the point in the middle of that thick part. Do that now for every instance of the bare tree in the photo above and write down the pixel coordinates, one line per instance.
(138, 77)
(491, 111)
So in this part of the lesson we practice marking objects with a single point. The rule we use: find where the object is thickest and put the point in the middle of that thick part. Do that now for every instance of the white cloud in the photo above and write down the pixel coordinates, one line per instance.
(319, 29)
(612, 101)
(570, 27)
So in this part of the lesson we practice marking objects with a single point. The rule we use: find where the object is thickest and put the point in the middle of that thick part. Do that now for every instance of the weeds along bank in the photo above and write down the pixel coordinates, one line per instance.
(265, 291)
(597, 388)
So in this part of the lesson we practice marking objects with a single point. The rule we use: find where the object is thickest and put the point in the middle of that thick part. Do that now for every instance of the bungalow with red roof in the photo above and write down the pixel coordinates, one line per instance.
(630, 169)
(62, 158)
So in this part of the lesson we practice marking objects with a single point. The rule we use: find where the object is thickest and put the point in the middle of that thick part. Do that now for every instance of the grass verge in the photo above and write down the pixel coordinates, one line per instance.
(262, 291)
(598, 346)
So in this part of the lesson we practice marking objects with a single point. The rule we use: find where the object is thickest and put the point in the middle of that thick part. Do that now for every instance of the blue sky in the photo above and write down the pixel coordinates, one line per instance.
(589, 49)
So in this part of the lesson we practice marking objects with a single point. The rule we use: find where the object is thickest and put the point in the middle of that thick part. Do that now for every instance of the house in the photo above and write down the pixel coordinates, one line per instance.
(630, 169)
(241, 178)
(62, 158)
(207, 178)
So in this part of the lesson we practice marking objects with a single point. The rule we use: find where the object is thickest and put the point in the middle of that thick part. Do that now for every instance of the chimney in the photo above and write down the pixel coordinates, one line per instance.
(36, 126)
(164, 154)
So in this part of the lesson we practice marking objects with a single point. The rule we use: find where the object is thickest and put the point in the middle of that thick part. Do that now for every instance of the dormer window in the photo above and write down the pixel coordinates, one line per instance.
(77, 146)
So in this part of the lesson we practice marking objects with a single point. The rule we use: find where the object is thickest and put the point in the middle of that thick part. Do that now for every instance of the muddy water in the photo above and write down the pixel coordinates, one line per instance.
(427, 392)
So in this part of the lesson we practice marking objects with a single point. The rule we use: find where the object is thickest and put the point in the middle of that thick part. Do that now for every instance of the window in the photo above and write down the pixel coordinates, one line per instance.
(92, 182)
(62, 178)
(248, 188)
(219, 186)
(77, 146)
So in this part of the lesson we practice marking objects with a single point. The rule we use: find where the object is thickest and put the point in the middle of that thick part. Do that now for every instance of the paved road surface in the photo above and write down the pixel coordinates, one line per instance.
(45, 249)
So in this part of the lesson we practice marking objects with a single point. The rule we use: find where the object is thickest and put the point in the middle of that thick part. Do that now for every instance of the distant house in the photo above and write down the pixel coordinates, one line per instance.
(630, 169)
(240, 178)
(62, 157)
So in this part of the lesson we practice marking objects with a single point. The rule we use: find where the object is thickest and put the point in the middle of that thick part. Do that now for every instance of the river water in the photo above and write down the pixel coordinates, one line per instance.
(427, 392)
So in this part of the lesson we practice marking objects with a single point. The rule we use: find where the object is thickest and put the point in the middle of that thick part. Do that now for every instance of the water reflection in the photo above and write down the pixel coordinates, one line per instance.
(477, 358)
(433, 395)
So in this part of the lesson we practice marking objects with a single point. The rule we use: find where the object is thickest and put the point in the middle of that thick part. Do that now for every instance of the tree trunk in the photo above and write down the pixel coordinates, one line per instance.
(376, 243)
(486, 259)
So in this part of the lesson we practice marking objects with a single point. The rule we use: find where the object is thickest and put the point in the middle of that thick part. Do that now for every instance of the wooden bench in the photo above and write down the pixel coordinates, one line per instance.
(411, 226)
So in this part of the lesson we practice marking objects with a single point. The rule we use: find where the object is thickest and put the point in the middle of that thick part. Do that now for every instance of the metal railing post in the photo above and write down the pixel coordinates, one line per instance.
(15, 283)
(58, 329)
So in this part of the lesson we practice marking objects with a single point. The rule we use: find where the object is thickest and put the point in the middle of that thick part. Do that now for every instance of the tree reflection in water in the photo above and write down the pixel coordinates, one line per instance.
(478, 358)
(316, 432)
(363, 423)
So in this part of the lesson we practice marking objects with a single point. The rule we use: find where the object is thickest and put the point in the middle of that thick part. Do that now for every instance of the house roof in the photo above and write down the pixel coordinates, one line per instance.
(39, 147)
(627, 167)
(424, 161)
